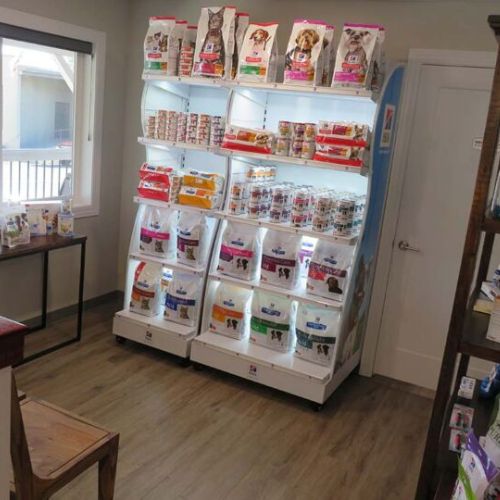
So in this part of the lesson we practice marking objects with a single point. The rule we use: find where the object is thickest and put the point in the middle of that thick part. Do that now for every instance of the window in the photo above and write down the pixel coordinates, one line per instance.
(51, 112)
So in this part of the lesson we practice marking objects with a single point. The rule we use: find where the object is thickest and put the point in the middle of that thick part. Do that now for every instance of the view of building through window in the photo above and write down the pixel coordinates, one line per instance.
(38, 109)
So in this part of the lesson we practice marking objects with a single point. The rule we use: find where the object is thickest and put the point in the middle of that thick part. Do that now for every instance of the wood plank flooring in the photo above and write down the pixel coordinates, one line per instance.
(188, 435)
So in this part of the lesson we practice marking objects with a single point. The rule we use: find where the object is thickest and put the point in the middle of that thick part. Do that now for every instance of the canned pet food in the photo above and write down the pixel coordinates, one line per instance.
(299, 219)
(309, 131)
(308, 149)
(282, 147)
(284, 129)
(296, 148)
(298, 130)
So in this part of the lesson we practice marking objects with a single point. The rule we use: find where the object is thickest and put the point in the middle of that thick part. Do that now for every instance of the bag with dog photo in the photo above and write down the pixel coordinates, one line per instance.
(241, 22)
(213, 55)
(316, 329)
(354, 63)
(182, 298)
(303, 55)
(156, 44)
(192, 239)
(145, 298)
(329, 270)
(158, 236)
(271, 324)
(258, 57)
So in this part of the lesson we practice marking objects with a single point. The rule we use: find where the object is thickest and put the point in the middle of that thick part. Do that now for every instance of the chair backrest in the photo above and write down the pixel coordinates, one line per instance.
(19, 451)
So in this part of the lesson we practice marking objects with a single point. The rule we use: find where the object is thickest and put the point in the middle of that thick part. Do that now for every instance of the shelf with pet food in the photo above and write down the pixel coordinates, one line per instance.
(474, 342)
(168, 263)
(160, 143)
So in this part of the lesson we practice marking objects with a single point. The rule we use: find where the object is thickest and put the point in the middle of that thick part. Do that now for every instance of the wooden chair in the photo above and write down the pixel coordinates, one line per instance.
(50, 447)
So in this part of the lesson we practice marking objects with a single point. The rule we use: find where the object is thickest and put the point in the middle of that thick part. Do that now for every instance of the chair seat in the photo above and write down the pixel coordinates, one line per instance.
(56, 438)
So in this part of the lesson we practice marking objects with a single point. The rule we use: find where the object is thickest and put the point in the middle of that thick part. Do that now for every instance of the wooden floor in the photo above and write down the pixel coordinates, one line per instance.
(207, 436)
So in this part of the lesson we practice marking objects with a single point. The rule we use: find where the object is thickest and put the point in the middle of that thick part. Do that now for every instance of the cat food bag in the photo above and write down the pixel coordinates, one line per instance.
(258, 57)
(280, 264)
(240, 250)
(241, 22)
(145, 297)
(186, 56)
(328, 56)
(50, 211)
(378, 67)
(248, 139)
(192, 239)
(174, 46)
(36, 221)
(303, 55)
(15, 229)
(158, 235)
(317, 329)
(213, 54)
(272, 321)
(182, 298)
(156, 44)
(230, 311)
(329, 270)
(354, 55)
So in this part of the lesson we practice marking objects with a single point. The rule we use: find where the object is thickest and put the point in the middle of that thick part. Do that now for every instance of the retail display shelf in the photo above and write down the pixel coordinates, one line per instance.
(171, 264)
(474, 341)
(298, 293)
(288, 228)
(157, 143)
(174, 206)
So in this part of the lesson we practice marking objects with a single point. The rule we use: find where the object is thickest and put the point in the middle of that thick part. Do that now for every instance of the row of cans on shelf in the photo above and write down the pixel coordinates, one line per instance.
(296, 140)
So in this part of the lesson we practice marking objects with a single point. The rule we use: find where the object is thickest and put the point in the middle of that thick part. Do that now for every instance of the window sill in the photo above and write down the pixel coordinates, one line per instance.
(84, 211)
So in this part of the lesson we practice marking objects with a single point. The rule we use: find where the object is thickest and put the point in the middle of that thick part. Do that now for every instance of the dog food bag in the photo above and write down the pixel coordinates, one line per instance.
(258, 57)
(327, 56)
(240, 250)
(174, 46)
(242, 20)
(354, 55)
(15, 229)
(317, 330)
(248, 139)
(230, 311)
(272, 321)
(213, 54)
(145, 297)
(156, 44)
(182, 298)
(304, 53)
(329, 270)
(192, 239)
(158, 235)
(281, 259)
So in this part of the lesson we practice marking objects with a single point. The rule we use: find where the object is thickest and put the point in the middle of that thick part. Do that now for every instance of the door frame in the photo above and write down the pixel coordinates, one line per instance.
(416, 60)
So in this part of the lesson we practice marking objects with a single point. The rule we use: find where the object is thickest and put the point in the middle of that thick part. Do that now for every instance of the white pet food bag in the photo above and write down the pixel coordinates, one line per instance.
(240, 250)
(377, 72)
(317, 330)
(258, 57)
(174, 46)
(272, 321)
(182, 298)
(329, 270)
(15, 229)
(156, 44)
(213, 55)
(303, 55)
(192, 239)
(328, 56)
(145, 297)
(280, 259)
(158, 235)
(354, 55)
(36, 221)
(241, 22)
(230, 311)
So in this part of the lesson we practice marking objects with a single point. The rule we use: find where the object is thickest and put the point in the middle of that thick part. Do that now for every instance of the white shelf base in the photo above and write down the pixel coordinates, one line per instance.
(154, 331)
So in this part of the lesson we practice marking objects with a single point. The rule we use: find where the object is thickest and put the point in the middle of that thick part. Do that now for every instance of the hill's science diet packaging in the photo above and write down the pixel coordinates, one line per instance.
(156, 44)
(241, 22)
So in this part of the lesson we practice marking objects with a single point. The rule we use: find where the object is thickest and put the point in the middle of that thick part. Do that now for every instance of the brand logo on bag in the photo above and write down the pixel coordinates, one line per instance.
(278, 251)
(181, 291)
(237, 242)
(228, 303)
(330, 260)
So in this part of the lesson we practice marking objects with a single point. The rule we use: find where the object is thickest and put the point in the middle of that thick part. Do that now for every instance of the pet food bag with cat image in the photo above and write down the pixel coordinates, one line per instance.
(241, 22)
(280, 264)
(213, 54)
(230, 311)
(182, 298)
(145, 298)
(329, 270)
(174, 46)
(303, 54)
(354, 55)
(258, 57)
(156, 44)
(192, 239)
(316, 330)
(158, 235)
(272, 321)
(240, 251)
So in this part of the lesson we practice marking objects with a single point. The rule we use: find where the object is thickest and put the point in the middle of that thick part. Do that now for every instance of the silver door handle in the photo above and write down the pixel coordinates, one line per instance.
(404, 245)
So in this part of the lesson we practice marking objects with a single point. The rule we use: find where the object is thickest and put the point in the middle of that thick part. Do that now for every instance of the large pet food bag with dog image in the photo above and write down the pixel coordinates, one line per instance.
(156, 44)
(213, 54)
(280, 264)
(240, 250)
(145, 298)
(316, 330)
(354, 55)
(329, 270)
(182, 298)
(241, 22)
(230, 311)
(258, 57)
(272, 321)
(192, 239)
(303, 54)
(158, 234)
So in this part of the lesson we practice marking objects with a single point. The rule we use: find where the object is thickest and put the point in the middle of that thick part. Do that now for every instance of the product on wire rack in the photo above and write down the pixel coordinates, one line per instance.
(215, 42)
(154, 182)
(157, 235)
(241, 22)
(337, 153)
(304, 53)
(186, 56)
(203, 180)
(182, 298)
(192, 239)
(247, 139)
(150, 127)
(156, 44)
(201, 198)
(346, 133)
(146, 289)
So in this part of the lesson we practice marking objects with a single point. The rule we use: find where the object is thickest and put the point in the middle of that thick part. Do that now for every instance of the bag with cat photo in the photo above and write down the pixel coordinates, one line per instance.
(156, 44)
(158, 234)
(213, 55)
